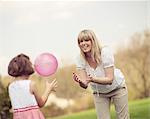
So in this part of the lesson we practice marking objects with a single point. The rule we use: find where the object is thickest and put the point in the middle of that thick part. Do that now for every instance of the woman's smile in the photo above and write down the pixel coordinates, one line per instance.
(85, 45)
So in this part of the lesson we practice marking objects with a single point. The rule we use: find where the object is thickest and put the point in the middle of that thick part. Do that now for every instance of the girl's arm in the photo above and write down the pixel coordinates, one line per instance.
(108, 79)
(41, 99)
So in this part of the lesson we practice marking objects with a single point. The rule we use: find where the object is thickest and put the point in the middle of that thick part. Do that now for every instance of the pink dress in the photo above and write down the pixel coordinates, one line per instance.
(23, 102)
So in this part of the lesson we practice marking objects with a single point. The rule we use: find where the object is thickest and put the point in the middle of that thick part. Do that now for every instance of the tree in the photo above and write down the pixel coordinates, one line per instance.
(4, 103)
(134, 60)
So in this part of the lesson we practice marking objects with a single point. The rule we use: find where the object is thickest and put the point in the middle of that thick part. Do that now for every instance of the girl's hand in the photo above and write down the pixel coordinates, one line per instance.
(51, 85)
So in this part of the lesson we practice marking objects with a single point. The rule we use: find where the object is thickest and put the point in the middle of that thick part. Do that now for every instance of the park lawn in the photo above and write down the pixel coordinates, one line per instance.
(139, 109)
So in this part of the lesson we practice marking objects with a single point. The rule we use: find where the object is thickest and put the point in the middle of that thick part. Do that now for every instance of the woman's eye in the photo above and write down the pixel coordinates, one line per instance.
(80, 41)
(87, 40)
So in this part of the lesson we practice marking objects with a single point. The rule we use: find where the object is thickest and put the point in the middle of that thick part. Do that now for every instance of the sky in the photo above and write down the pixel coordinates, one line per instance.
(36, 27)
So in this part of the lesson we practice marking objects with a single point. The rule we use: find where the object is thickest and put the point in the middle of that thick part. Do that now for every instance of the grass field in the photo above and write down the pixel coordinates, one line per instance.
(139, 109)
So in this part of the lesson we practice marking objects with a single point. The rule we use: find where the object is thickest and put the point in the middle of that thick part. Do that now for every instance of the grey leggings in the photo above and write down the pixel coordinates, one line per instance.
(120, 100)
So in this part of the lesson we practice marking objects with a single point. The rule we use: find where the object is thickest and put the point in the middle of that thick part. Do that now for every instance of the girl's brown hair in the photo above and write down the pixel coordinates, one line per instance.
(20, 66)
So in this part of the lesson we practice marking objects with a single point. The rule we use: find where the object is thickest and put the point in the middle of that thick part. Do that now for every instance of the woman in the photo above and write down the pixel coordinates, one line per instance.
(95, 66)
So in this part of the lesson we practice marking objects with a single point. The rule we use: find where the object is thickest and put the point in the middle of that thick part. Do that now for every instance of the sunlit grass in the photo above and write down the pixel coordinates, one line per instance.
(139, 109)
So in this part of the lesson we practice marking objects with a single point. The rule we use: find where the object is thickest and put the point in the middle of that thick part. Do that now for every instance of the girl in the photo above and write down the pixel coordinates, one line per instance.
(95, 65)
(23, 93)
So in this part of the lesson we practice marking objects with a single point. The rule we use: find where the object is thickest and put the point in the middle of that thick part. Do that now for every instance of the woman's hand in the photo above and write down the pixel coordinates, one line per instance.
(76, 78)
(89, 79)
(81, 83)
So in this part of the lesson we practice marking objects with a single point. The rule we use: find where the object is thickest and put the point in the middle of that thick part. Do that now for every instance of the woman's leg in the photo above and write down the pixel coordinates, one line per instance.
(120, 100)
(102, 105)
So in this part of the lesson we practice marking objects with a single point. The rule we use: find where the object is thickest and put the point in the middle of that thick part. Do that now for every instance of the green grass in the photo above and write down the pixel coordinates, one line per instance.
(139, 109)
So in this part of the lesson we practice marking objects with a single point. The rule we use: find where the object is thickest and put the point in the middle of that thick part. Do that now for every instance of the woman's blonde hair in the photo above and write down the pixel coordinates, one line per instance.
(96, 47)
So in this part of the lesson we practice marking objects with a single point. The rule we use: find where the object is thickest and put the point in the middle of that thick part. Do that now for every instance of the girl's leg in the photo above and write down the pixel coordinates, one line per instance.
(102, 105)
(120, 100)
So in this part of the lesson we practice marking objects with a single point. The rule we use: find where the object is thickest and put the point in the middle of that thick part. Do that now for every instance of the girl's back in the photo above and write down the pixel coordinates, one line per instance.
(23, 101)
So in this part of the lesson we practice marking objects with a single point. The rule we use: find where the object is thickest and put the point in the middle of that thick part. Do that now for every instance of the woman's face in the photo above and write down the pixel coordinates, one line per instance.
(85, 45)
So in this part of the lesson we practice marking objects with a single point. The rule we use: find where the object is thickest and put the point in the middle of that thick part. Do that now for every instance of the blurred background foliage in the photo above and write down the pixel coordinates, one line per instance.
(133, 59)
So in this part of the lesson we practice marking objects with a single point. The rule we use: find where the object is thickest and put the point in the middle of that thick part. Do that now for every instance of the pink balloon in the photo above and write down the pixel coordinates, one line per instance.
(46, 64)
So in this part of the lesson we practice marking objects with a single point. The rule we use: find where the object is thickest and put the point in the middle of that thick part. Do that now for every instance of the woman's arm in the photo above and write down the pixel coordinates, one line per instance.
(108, 79)
(41, 99)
